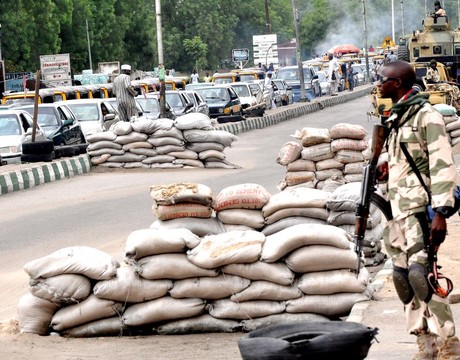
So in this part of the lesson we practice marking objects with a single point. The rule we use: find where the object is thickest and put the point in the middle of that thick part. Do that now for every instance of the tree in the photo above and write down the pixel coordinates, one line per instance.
(197, 50)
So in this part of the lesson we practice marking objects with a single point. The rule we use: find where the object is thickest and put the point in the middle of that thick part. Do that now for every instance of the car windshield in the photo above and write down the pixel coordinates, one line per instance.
(174, 100)
(9, 125)
(45, 117)
(19, 101)
(85, 112)
(279, 85)
(292, 74)
(223, 80)
(247, 77)
(214, 94)
(241, 90)
(357, 69)
(149, 105)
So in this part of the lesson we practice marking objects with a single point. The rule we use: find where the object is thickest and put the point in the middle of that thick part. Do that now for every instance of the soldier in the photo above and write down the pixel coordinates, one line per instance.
(432, 73)
(415, 125)
(125, 94)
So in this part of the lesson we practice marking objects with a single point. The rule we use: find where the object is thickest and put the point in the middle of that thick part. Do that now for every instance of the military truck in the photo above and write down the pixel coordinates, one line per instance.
(436, 41)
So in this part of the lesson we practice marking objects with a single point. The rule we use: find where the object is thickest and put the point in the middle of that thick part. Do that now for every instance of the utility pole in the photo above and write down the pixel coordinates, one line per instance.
(393, 20)
(402, 17)
(366, 53)
(160, 60)
(298, 52)
(268, 27)
(89, 47)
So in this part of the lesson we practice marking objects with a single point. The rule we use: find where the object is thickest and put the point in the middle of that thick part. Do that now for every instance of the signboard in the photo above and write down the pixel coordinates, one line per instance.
(265, 49)
(15, 81)
(108, 67)
(387, 42)
(55, 69)
(240, 55)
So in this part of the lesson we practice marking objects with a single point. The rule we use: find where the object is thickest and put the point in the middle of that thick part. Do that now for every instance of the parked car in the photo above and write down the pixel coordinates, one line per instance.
(179, 102)
(59, 123)
(222, 100)
(359, 74)
(94, 115)
(194, 86)
(150, 105)
(114, 103)
(16, 129)
(324, 82)
(245, 94)
(284, 91)
(290, 74)
(199, 104)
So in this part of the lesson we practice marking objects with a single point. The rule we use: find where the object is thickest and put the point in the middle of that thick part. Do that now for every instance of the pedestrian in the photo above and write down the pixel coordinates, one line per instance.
(417, 136)
(125, 94)
(350, 77)
(392, 57)
(271, 67)
(333, 75)
(269, 91)
(207, 77)
(195, 77)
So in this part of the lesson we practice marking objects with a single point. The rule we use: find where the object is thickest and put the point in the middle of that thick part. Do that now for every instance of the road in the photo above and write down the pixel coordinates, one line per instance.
(102, 208)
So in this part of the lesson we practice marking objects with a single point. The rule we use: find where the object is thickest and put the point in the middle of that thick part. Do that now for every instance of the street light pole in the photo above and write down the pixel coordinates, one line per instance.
(89, 47)
(298, 52)
(267, 19)
(160, 60)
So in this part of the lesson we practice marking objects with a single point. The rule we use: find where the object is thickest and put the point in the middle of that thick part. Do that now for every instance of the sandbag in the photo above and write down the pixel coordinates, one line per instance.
(35, 314)
(277, 273)
(121, 128)
(279, 319)
(101, 136)
(201, 324)
(354, 168)
(338, 218)
(61, 289)
(227, 248)
(219, 164)
(167, 149)
(301, 165)
(198, 226)
(100, 159)
(181, 192)
(248, 217)
(317, 152)
(127, 157)
(241, 196)
(193, 120)
(312, 136)
(162, 309)
(283, 242)
(170, 266)
(346, 130)
(211, 154)
(112, 326)
(147, 242)
(349, 156)
(144, 151)
(209, 288)
(287, 222)
(83, 260)
(288, 153)
(333, 281)
(102, 144)
(203, 146)
(298, 177)
(189, 162)
(316, 213)
(159, 160)
(329, 164)
(226, 309)
(181, 210)
(327, 174)
(184, 155)
(223, 137)
(127, 286)
(105, 151)
(90, 309)
(146, 126)
(348, 144)
(345, 198)
(265, 290)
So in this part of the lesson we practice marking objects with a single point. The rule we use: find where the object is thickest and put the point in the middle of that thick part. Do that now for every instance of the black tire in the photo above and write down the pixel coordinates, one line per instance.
(67, 150)
(313, 340)
(383, 205)
(82, 148)
(57, 153)
(38, 147)
(229, 118)
(32, 158)
(403, 53)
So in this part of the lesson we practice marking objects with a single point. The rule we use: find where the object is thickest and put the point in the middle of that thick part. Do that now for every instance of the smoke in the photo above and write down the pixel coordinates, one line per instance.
(349, 29)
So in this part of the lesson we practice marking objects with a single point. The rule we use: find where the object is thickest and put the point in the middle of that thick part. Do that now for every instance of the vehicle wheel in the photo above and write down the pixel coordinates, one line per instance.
(57, 153)
(67, 150)
(229, 118)
(312, 340)
(32, 158)
(38, 147)
(82, 148)
(403, 53)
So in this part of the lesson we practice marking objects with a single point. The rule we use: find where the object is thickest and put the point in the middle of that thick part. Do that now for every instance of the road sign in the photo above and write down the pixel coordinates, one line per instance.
(55, 69)
(265, 48)
(240, 55)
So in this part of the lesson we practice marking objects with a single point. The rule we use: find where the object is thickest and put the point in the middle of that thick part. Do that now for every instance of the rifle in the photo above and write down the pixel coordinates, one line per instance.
(367, 188)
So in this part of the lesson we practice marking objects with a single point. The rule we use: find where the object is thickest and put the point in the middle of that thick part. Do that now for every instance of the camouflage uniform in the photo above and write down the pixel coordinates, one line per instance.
(433, 75)
(403, 235)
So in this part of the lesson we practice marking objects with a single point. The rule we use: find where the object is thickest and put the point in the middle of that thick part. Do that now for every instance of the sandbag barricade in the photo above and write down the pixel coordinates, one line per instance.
(452, 121)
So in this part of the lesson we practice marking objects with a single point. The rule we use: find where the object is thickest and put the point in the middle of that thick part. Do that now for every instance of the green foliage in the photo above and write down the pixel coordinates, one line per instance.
(197, 50)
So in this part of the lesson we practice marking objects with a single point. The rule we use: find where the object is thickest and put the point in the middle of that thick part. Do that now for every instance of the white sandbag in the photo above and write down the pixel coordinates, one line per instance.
(321, 258)
(349, 156)
(181, 210)
(100, 159)
(329, 164)
(241, 196)
(295, 197)
(127, 157)
(127, 286)
(354, 178)
(185, 154)
(450, 118)
(165, 140)
(277, 273)
(201, 324)
(338, 218)
(181, 192)
(333, 281)
(170, 266)
(317, 152)
(35, 314)
(146, 126)
(105, 151)
(283, 242)
(219, 164)
(247, 217)
(346, 130)
(333, 305)
(121, 128)
(312, 136)
(162, 309)
(147, 242)
(137, 145)
(223, 137)
(189, 163)
(159, 159)
(331, 184)
(371, 235)
(130, 138)
(280, 319)
(227, 248)
(327, 174)
(90, 309)
(345, 198)
(135, 165)
(193, 120)
(84, 260)
(103, 144)
(265, 290)
(348, 144)
(288, 222)
(445, 109)
(298, 177)
(198, 226)
(110, 164)
(316, 213)
(101, 136)
(454, 125)
(167, 149)
(301, 165)
(61, 289)
(229, 227)
(112, 326)
(354, 168)
(209, 288)
(203, 146)
(288, 153)
(144, 151)
(226, 309)
(211, 154)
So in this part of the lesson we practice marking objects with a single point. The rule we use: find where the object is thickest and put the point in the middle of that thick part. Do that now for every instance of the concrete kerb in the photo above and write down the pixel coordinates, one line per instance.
(40, 173)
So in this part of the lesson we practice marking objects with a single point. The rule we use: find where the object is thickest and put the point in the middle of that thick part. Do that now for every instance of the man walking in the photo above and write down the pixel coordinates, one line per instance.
(125, 94)
(418, 143)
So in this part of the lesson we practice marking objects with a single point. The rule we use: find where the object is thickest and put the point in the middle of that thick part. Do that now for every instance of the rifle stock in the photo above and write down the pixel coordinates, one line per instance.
(367, 188)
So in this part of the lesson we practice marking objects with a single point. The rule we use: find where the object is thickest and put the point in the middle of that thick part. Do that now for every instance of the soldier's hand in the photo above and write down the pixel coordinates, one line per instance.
(438, 229)
(382, 172)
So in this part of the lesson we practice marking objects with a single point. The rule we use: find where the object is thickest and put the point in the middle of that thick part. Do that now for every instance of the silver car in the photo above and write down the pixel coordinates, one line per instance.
(200, 104)
(16, 129)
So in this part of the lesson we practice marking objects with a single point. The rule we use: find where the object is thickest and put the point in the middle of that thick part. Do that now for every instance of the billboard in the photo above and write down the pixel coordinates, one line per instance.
(55, 69)
(265, 49)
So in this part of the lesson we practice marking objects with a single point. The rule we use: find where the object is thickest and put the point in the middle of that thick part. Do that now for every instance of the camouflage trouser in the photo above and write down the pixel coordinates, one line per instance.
(404, 243)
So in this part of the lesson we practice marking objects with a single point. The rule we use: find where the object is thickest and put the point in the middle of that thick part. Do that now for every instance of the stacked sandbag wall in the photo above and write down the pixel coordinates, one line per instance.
(452, 121)
(189, 141)
(198, 276)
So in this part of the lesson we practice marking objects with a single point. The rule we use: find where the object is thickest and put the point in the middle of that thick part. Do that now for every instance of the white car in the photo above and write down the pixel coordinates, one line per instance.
(323, 82)
(94, 115)
(245, 94)
(16, 129)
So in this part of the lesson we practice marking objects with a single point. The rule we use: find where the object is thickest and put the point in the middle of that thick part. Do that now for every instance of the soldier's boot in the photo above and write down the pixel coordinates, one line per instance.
(427, 349)
(449, 349)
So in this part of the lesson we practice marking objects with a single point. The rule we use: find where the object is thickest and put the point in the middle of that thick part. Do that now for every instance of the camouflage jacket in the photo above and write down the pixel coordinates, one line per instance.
(421, 128)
